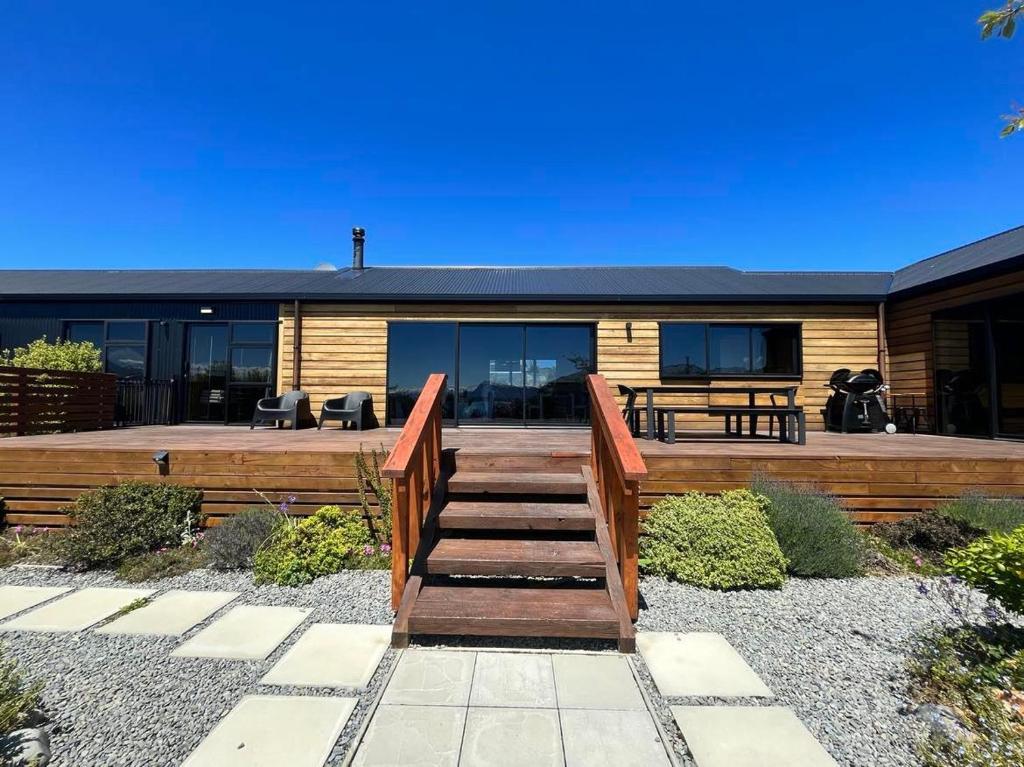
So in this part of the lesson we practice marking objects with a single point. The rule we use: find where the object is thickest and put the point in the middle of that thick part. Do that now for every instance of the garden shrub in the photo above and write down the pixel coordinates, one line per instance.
(330, 540)
(17, 699)
(368, 475)
(715, 541)
(111, 524)
(59, 355)
(233, 543)
(816, 536)
(991, 515)
(995, 566)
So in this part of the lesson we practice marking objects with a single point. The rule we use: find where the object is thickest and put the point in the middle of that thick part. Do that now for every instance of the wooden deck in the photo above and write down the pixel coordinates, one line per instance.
(876, 476)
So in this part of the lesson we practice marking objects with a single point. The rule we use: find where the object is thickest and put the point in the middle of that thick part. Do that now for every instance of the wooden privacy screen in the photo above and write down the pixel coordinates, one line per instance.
(34, 401)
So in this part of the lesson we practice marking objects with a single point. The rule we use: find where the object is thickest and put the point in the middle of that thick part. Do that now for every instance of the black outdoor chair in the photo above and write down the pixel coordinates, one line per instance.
(629, 413)
(293, 406)
(348, 409)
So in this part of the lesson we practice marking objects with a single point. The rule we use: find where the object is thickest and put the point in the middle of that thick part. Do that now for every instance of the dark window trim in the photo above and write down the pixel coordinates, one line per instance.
(710, 376)
(454, 385)
(144, 343)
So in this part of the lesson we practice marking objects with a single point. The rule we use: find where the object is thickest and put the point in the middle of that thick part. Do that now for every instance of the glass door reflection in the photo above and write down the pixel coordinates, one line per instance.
(490, 374)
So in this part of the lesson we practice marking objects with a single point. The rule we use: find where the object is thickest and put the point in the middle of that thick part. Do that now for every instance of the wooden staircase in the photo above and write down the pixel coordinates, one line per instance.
(514, 552)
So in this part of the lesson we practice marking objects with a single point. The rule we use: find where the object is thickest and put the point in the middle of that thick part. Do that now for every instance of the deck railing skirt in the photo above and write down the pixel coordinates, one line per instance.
(618, 469)
(414, 466)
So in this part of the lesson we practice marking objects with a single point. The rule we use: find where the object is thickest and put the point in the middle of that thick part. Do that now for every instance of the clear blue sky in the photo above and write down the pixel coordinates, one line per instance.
(795, 135)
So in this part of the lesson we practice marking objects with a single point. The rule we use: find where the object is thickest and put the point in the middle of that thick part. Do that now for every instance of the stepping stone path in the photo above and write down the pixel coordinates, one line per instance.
(273, 730)
(14, 599)
(469, 709)
(171, 614)
(332, 655)
(246, 633)
(77, 611)
(442, 707)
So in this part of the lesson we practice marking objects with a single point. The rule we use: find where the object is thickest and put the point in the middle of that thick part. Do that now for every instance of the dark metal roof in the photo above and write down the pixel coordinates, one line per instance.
(650, 283)
(983, 254)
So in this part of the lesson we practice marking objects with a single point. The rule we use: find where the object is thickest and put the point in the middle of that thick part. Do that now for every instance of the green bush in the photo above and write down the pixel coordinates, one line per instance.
(995, 566)
(59, 355)
(715, 541)
(991, 515)
(111, 524)
(233, 543)
(330, 540)
(816, 536)
(16, 698)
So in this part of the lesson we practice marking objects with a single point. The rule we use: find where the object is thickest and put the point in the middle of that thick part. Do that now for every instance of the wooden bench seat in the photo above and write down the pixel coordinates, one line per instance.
(782, 412)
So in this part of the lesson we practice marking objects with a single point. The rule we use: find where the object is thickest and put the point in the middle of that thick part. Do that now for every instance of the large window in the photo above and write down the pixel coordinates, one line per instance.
(229, 367)
(498, 373)
(723, 350)
(122, 344)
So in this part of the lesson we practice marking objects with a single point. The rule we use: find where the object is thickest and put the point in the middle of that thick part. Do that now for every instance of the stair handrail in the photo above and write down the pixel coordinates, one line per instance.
(618, 469)
(414, 465)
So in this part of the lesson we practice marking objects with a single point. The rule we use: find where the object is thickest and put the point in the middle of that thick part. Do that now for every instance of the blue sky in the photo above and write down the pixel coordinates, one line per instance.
(799, 136)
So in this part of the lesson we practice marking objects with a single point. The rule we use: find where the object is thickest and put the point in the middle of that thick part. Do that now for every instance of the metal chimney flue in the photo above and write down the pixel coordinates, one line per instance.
(358, 238)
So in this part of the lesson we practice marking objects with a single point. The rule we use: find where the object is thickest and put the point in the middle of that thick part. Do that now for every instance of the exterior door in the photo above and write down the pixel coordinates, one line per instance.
(207, 373)
(229, 368)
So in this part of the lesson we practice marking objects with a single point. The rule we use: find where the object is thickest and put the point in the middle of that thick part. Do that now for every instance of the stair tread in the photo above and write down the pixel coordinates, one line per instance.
(481, 556)
(491, 611)
(516, 515)
(509, 482)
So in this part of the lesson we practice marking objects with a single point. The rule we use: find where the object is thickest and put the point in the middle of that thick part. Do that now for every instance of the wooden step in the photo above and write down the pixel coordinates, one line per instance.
(519, 484)
(534, 612)
(515, 515)
(482, 556)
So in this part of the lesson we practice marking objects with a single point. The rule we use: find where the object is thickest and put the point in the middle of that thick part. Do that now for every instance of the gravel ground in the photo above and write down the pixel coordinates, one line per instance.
(122, 700)
(834, 651)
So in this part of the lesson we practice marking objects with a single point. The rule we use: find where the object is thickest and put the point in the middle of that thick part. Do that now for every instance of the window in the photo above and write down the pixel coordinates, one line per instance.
(122, 344)
(703, 350)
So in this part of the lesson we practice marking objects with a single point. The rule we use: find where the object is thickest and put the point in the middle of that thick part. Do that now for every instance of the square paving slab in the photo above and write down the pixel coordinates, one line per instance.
(412, 736)
(14, 599)
(749, 736)
(431, 678)
(698, 664)
(271, 731)
(76, 611)
(596, 681)
(612, 739)
(332, 655)
(524, 680)
(170, 614)
(512, 737)
(245, 633)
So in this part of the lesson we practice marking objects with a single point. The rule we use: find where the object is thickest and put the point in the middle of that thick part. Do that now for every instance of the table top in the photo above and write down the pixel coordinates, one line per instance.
(718, 389)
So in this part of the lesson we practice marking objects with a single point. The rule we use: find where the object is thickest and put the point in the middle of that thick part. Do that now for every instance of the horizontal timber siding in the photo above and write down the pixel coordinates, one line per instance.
(909, 329)
(344, 347)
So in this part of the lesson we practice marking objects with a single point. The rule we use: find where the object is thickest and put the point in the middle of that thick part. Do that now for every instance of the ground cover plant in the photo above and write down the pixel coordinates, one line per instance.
(163, 563)
(116, 523)
(27, 544)
(919, 543)
(816, 536)
(715, 541)
(992, 515)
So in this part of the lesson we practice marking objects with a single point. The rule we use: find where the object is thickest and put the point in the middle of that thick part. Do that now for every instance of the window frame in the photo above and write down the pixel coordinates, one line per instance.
(710, 375)
(144, 343)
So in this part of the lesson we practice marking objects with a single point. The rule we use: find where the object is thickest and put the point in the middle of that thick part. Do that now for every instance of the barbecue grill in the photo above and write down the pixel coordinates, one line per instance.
(856, 401)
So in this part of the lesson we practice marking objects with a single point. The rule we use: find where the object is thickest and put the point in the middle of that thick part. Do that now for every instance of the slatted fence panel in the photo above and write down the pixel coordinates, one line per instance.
(36, 401)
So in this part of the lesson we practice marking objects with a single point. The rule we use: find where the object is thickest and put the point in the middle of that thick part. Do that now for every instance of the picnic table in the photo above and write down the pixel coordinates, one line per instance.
(790, 412)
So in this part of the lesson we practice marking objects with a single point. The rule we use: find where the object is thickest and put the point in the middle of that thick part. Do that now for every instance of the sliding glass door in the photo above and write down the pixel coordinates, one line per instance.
(229, 367)
(499, 373)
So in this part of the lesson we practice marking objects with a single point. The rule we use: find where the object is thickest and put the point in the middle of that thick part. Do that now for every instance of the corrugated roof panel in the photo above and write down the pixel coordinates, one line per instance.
(978, 255)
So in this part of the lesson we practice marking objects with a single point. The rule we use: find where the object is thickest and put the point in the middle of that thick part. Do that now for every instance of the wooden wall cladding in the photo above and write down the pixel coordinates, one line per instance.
(344, 347)
(909, 329)
(37, 484)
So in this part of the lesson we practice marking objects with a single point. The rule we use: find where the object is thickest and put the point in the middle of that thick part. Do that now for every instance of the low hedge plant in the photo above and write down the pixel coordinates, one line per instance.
(817, 537)
(991, 515)
(714, 541)
(995, 566)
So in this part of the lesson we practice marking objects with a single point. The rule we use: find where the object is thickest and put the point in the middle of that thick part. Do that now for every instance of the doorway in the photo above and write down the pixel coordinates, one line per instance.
(229, 366)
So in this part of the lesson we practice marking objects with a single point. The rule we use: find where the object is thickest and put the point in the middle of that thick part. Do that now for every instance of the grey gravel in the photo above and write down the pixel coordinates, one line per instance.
(122, 700)
(834, 651)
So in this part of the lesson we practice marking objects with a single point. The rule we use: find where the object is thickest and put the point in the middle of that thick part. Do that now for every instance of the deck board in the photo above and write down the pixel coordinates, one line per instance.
(876, 476)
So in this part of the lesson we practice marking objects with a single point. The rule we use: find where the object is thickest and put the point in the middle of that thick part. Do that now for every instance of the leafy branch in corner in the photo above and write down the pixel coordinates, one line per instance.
(1003, 23)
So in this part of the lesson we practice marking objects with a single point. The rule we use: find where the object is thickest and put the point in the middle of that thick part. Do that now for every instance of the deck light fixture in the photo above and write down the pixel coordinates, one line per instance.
(162, 459)
(206, 310)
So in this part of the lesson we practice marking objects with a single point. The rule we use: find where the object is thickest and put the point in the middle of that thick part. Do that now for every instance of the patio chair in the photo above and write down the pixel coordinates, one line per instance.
(293, 406)
(348, 409)
(629, 412)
